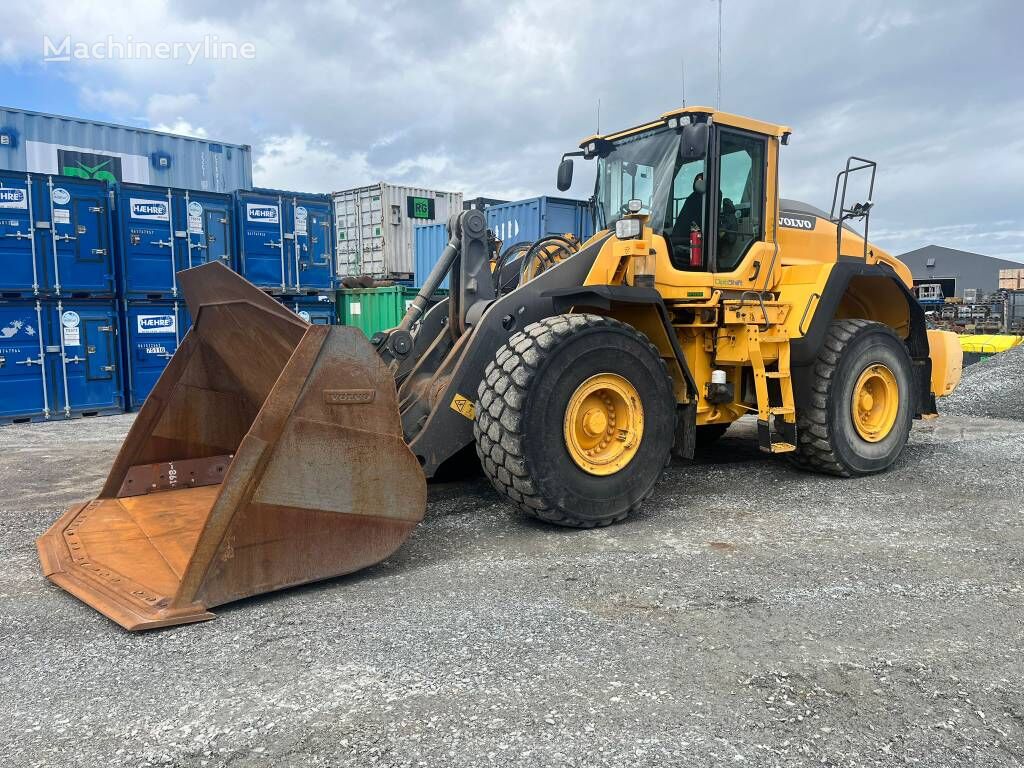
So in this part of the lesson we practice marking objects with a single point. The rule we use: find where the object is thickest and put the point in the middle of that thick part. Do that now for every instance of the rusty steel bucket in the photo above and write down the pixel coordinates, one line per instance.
(269, 454)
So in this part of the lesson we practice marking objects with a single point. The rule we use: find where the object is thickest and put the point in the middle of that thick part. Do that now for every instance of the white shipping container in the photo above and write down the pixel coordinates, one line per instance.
(375, 226)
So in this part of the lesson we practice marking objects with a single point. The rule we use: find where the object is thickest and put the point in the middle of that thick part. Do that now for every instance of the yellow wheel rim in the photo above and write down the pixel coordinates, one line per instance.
(604, 423)
(876, 401)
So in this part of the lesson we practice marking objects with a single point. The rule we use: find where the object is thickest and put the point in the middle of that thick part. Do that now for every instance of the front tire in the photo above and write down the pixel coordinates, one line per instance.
(858, 408)
(575, 419)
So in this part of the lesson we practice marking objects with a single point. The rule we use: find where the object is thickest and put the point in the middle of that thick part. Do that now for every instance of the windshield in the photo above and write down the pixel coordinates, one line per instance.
(643, 167)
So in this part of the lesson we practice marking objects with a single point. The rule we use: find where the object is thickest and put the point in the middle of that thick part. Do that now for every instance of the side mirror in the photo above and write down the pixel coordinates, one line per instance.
(694, 142)
(565, 174)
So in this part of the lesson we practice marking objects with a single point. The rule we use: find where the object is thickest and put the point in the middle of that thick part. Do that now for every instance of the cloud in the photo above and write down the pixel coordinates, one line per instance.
(182, 127)
(485, 98)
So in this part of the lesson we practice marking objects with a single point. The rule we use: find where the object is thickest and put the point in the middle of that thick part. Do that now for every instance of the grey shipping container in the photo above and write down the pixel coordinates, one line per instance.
(69, 146)
(375, 226)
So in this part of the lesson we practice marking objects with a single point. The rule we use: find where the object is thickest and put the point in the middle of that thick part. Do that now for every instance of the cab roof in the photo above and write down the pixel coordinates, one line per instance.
(717, 116)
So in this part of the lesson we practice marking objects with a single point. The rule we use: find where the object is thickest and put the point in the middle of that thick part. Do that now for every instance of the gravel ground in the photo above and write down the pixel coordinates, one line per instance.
(750, 614)
(993, 387)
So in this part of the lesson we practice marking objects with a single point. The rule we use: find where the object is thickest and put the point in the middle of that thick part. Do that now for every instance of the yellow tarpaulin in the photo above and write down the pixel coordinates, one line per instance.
(990, 343)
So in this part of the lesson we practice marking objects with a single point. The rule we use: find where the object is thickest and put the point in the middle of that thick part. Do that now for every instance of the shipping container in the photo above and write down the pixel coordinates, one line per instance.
(318, 310)
(58, 359)
(431, 240)
(525, 221)
(285, 242)
(152, 331)
(374, 309)
(88, 149)
(163, 230)
(55, 237)
(374, 227)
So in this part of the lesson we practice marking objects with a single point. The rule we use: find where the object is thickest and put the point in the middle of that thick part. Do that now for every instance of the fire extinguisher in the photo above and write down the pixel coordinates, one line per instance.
(696, 247)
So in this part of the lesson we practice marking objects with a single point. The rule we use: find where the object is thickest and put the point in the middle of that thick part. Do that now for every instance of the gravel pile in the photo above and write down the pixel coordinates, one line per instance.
(993, 388)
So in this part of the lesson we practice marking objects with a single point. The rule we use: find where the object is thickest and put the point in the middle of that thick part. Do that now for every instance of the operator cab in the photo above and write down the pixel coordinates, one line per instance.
(701, 178)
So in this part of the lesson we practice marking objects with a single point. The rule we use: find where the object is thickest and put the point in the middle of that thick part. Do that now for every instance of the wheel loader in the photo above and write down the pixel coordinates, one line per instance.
(272, 452)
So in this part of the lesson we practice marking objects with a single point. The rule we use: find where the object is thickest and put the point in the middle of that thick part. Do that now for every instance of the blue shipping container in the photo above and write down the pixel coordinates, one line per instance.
(525, 221)
(55, 237)
(318, 310)
(162, 231)
(429, 241)
(152, 331)
(71, 146)
(60, 360)
(285, 240)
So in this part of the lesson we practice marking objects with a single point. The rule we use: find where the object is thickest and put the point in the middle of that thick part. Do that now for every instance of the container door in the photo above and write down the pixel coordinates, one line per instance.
(89, 378)
(153, 335)
(23, 385)
(207, 232)
(147, 243)
(217, 222)
(263, 252)
(18, 263)
(371, 232)
(80, 239)
(344, 221)
(313, 245)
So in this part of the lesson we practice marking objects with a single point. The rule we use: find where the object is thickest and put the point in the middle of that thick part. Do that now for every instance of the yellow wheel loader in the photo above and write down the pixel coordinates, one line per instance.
(273, 453)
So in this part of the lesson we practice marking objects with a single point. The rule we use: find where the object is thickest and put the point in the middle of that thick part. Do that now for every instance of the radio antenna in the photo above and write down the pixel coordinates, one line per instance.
(598, 116)
(682, 63)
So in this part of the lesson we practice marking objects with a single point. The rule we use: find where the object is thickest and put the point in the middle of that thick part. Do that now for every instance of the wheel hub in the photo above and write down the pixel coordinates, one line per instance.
(604, 423)
(876, 400)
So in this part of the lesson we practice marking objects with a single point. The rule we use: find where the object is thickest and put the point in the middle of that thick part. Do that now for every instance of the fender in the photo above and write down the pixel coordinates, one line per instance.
(606, 297)
(805, 349)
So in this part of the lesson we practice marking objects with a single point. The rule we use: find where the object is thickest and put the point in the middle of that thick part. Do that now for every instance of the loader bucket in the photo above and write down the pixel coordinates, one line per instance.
(270, 453)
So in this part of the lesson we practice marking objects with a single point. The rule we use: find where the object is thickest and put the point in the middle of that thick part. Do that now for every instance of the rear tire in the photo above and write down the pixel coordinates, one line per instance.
(521, 427)
(829, 439)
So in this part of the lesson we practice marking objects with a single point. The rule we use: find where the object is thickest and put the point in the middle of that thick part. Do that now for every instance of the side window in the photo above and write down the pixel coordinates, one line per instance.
(740, 197)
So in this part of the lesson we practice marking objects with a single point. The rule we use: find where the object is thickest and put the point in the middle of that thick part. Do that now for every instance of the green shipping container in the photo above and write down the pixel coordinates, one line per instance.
(374, 309)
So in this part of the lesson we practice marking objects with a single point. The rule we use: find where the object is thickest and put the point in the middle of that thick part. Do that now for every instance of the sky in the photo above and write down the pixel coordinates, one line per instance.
(483, 98)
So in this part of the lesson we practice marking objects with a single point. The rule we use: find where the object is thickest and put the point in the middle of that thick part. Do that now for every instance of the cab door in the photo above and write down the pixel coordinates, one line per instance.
(738, 218)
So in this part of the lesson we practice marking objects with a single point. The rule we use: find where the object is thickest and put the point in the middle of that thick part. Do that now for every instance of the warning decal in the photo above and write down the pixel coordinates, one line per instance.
(464, 406)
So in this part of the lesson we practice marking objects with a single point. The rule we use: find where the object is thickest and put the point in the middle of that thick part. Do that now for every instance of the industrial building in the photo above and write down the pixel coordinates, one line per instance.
(956, 270)
(70, 146)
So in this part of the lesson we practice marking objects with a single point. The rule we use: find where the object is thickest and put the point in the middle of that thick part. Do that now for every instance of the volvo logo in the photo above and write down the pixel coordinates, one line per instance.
(796, 221)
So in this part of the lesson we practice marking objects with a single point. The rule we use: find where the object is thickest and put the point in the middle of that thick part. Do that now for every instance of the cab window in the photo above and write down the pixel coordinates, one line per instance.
(740, 197)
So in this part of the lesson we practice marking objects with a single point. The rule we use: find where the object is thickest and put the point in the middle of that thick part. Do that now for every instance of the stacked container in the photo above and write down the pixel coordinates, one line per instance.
(285, 241)
(318, 310)
(152, 331)
(164, 230)
(59, 355)
(374, 227)
(523, 221)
